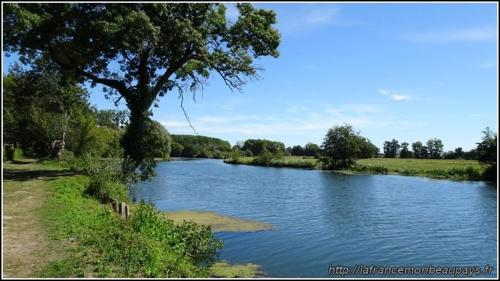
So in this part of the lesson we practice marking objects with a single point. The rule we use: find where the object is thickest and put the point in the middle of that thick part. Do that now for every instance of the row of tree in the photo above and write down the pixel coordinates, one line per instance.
(199, 146)
(310, 149)
(342, 146)
(433, 149)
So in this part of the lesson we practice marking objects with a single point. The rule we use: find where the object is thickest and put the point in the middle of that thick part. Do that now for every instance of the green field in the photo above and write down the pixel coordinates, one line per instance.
(418, 164)
(435, 168)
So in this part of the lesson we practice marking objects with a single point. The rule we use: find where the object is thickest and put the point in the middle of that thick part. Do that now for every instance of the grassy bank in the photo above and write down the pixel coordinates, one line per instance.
(304, 162)
(93, 241)
(458, 169)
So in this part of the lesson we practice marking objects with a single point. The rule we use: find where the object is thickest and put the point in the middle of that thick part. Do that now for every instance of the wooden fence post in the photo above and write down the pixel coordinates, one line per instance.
(126, 211)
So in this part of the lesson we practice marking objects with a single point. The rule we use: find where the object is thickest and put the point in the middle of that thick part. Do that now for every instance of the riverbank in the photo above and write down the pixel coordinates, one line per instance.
(456, 169)
(53, 229)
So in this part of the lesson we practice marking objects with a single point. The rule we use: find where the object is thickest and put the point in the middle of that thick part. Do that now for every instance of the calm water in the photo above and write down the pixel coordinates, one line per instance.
(323, 218)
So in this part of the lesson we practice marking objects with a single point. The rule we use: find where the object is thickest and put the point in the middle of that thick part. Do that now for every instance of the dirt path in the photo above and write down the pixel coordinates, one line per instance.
(26, 248)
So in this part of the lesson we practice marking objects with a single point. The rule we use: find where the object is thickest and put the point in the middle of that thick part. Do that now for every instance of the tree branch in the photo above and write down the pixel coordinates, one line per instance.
(115, 84)
(171, 70)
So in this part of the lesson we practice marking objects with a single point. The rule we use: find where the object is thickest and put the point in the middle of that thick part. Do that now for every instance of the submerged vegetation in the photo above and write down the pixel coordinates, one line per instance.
(217, 222)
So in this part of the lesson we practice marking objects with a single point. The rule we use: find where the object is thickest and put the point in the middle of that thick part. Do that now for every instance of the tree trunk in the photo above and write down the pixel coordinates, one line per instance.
(133, 141)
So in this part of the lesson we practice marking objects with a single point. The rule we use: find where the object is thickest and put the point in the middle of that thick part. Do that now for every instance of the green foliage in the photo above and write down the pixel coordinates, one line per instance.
(297, 150)
(202, 142)
(145, 245)
(157, 140)
(417, 149)
(471, 154)
(459, 153)
(200, 146)
(261, 146)
(219, 154)
(276, 161)
(391, 148)
(342, 146)
(112, 118)
(39, 104)
(265, 159)
(106, 181)
(487, 154)
(405, 152)
(366, 148)
(449, 155)
(176, 149)
(435, 147)
(234, 156)
(157, 46)
(191, 151)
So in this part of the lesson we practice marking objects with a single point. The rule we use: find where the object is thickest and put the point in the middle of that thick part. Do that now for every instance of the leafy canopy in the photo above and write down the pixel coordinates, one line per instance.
(140, 51)
(143, 48)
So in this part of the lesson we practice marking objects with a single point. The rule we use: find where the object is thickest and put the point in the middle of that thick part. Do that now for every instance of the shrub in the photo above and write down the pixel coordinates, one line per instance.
(265, 159)
(106, 181)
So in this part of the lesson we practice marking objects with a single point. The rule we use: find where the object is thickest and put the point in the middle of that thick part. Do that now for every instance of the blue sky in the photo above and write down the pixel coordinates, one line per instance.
(404, 71)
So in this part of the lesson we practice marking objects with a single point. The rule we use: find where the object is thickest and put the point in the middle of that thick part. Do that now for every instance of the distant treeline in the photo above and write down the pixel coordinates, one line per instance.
(432, 149)
(199, 146)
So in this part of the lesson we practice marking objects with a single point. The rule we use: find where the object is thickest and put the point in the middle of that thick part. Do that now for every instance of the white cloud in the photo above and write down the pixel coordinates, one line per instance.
(397, 97)
(383, 92)
(293, 123)
(292, 21)
(320, 16)
(484, 33)
(394, 96)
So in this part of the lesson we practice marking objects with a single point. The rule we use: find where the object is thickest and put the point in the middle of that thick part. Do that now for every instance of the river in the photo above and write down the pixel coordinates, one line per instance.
(324, 218)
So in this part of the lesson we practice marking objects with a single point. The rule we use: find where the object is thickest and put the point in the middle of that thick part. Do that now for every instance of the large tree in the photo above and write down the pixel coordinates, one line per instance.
(435, 147)
(405, 152)
(391, 148)
(141, 51)
(417, 149)
(340, 147)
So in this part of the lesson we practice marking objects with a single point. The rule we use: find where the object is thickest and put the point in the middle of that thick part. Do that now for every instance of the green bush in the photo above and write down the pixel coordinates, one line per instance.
(106, 182)
(265, 159)
(146, 245)
(219, 154)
